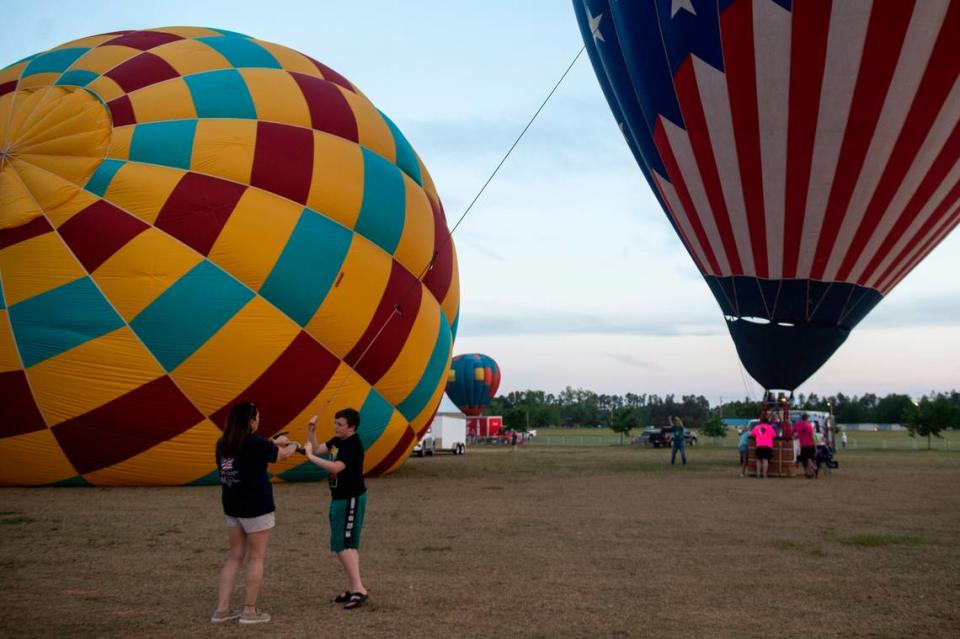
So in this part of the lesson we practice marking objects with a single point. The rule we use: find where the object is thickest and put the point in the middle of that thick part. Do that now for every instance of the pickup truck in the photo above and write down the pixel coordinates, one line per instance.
(663, 438)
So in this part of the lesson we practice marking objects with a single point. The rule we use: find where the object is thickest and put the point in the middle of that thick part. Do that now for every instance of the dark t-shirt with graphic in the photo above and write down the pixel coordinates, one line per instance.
(349, 481)
(245, 484)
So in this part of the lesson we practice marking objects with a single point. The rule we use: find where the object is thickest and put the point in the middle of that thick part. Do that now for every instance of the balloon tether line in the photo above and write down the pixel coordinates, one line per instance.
(397, 310)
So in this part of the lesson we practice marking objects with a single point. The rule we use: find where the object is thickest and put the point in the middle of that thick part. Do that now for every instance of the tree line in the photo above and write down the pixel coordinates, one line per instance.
(580, 408)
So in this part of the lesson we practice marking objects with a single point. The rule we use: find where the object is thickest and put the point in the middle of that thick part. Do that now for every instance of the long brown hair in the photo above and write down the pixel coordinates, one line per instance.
(237, 430)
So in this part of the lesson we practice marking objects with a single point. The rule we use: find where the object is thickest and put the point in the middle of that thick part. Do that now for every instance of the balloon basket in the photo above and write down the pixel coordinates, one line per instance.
(783, 463)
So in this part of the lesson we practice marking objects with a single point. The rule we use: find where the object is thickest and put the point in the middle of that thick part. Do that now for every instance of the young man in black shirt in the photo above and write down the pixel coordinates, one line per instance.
(348, 496)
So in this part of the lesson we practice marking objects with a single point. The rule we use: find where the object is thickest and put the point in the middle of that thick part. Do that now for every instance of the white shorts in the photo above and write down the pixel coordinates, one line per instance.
(252, 524)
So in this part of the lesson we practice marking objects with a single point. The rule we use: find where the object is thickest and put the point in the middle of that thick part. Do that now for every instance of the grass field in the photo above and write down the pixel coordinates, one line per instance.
(857, 440)
(545, 541)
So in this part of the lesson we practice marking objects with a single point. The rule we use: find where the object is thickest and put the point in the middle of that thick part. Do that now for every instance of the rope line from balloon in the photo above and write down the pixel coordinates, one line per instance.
(397, 309)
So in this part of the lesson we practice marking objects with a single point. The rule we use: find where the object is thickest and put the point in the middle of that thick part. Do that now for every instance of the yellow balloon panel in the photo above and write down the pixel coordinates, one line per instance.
(91, 375)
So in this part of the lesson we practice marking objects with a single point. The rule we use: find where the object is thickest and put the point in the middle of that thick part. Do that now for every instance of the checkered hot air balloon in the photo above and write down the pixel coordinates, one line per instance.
(473, 381)
(191, 217)
(804, 151)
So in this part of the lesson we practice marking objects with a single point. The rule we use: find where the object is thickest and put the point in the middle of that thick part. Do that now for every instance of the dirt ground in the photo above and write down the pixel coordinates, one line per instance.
(541, 542)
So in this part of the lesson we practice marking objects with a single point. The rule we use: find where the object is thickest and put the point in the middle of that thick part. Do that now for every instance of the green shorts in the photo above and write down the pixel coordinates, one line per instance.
(346, 522)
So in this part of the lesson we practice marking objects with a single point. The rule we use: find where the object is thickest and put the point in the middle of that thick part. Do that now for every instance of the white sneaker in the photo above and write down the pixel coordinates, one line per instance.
(220, 617)
(255, 617)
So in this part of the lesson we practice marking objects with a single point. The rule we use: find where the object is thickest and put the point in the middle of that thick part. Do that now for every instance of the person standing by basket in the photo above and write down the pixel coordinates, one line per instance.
(743, 447)
(763, 433)
(808, 447)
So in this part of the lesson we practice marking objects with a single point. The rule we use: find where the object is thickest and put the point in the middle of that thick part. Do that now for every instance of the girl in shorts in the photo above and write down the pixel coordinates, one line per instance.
(763, 433)
(247, 497)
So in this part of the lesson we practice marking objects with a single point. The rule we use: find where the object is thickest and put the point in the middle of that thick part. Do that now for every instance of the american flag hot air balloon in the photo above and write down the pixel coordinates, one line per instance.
(806, 152)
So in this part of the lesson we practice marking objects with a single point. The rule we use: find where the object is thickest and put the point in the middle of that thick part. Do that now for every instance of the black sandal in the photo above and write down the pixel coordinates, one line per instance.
(343, 597)
(356, 600)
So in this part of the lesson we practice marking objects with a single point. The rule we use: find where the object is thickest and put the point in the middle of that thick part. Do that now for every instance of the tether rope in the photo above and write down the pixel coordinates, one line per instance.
(397, 310)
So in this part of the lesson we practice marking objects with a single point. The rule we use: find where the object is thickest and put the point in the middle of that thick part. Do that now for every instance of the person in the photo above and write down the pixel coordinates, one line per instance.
(823, 456)
(808, 449)
(843, 439)
(348, 496)
(513, 440)
(677, 441)
(789, 436)
(247, 498)
(775, 420)
(763, 434)
(743, 446)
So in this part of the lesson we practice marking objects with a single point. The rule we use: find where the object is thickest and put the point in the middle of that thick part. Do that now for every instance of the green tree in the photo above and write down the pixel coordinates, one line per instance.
(893, 409)
(623, 420)
(930, 416)
(714, 427)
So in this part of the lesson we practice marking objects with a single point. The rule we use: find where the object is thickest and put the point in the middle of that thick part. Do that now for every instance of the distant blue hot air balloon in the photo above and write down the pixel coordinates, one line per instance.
(806, 153)
(473, 382)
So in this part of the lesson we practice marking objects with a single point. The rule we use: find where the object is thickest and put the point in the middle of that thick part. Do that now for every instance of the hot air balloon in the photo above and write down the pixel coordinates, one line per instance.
(472, 382)
(805, 152)
(189, 218)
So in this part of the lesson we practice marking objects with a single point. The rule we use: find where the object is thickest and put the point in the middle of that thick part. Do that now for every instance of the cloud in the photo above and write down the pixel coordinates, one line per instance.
(940, 310)
(918, 312)
(567, 133)
(630, 360)
(482, 248)
(563, 323)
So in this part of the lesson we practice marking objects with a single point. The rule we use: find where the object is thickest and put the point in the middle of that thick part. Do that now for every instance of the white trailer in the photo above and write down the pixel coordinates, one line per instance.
(448, 432)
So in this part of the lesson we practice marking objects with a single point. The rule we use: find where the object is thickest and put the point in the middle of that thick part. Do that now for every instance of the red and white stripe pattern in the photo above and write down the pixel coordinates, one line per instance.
(828, 149)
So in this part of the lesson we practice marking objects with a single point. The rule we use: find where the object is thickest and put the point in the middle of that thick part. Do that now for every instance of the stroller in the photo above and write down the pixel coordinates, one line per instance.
(825, 459)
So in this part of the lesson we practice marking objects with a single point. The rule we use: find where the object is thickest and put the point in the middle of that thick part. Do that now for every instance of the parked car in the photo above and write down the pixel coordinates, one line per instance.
(426, 446)
(662, 437)
(651, 436)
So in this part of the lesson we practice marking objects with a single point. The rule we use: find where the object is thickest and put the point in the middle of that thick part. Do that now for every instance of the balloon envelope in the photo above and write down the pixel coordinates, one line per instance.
(190, 218)
(473, 381)
(805, 152)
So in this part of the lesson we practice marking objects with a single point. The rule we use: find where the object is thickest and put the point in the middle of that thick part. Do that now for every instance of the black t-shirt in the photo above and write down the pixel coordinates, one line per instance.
(245, 485)
(349, 481)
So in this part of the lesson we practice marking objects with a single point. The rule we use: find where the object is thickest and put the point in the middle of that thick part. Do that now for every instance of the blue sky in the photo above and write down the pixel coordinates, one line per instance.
(570, 273)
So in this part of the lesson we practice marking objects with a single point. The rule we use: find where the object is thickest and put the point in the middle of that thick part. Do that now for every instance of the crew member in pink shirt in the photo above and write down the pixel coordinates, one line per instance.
(803, 430)
(763, 433)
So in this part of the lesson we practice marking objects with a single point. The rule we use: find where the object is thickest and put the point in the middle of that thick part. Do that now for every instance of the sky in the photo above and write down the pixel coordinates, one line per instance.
(570, 274)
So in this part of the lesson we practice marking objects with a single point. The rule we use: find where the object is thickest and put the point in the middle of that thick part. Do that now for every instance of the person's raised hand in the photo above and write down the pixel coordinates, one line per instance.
(312, 424)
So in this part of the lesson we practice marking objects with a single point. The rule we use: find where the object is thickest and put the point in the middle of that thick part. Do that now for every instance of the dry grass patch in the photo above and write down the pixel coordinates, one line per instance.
(871, 540)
